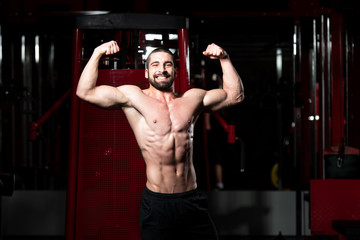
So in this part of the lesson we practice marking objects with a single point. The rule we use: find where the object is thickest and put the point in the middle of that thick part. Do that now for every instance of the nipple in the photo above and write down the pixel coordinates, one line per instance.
(154, 121)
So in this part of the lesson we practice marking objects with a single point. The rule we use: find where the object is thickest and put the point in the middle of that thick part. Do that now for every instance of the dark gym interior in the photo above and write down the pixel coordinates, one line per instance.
(292, 170)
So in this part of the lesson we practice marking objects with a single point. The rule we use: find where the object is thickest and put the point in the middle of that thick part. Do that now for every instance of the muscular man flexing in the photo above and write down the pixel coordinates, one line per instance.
(163, 123)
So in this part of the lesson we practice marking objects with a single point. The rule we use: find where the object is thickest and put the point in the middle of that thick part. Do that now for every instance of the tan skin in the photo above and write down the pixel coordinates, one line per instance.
(162, 120)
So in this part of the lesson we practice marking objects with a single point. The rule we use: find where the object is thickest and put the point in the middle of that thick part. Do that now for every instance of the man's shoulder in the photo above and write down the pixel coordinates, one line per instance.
(129, 87)
(194, 92)
(131, 90)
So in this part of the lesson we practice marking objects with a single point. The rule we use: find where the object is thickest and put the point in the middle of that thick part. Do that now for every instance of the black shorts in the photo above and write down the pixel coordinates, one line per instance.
(175, 216)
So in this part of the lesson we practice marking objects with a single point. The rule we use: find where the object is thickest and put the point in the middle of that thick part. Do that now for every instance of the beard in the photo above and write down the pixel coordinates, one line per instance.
(162, 85)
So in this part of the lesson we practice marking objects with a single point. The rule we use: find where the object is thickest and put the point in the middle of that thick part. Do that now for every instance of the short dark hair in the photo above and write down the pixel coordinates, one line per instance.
(159, 49)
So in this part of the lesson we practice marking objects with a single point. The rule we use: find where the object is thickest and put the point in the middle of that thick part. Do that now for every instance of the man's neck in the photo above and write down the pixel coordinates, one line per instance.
(164, 96)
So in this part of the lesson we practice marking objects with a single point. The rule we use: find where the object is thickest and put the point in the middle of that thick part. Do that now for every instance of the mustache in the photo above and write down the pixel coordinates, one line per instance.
(165, 74)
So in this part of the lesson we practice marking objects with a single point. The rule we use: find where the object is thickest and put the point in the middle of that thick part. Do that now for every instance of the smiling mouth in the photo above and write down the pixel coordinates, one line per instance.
(162, 82)
(162, 77)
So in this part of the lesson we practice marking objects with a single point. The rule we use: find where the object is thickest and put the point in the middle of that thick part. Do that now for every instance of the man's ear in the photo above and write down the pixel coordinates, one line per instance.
(146, 73)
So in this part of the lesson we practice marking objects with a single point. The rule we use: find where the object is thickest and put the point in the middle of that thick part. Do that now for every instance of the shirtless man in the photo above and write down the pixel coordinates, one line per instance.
(163, 123)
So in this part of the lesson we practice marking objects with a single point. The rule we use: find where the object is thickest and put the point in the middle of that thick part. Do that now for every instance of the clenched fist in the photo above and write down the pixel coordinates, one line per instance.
(108, 48)
(213, 51)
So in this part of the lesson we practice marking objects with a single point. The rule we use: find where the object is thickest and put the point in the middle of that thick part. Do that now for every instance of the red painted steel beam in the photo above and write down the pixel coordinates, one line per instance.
(34, 126)
(184, 60)
(230, 129)
(73, 141)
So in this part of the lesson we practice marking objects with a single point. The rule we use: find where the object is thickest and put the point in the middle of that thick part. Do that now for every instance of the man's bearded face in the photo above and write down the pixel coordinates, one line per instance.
(161, 72)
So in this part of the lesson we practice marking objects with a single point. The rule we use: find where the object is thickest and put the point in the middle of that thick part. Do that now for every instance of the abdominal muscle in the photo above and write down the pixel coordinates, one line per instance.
(169, 166)
(171, 178)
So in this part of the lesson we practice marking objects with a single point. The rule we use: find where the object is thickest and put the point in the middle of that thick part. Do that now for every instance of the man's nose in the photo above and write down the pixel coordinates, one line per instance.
(161, 69)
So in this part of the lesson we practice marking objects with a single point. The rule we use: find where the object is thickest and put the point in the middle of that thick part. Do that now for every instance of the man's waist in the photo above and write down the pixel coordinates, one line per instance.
(161, 195)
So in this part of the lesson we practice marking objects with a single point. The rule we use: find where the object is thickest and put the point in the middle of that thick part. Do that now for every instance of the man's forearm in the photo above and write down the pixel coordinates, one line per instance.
(232, 83)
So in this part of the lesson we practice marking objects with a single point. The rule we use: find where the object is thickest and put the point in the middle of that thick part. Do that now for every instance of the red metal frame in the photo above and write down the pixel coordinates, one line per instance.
(111, 170)
(73, 141)
(333, 199)
(75, 227)
(230, 129)
(184, 64)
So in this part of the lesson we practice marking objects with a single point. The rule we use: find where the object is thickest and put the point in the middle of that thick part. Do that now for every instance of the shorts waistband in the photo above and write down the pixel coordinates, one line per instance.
(191, 193)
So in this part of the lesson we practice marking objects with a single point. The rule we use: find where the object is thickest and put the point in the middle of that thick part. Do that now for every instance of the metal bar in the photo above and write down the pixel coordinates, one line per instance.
(328, 83)
(279, 113)
(184, 64)
(322, 96)
(73, 141)
(228, 14)
(230, 129)
(337, 114)
(34, 126)
(242, 154)
(346, 90)
(1, 55)
(313, 95)
(1, 84)
(297, 125)
(132, 21)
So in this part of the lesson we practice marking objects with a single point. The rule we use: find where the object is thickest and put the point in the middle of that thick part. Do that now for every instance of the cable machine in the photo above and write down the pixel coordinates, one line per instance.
(106, 169)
